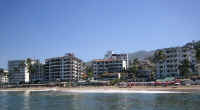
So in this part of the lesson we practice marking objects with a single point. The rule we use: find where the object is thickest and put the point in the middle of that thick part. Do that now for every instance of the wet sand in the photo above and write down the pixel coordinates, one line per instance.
(110, 88)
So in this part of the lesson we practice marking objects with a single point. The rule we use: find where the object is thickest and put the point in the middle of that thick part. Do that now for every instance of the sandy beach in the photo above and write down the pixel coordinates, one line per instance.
(111, 89)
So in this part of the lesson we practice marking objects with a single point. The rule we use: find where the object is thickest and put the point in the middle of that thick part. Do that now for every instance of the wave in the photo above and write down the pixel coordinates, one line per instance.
(98, 91)
(122, 91)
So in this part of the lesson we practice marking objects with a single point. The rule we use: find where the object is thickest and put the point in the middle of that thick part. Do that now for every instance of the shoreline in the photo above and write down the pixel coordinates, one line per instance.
(111, 89)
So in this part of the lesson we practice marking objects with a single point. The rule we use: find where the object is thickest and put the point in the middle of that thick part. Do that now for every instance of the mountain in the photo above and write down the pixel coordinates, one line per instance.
(140, 54)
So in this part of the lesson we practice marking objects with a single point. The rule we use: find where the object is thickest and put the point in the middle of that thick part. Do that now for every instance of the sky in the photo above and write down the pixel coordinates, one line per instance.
(88, 28)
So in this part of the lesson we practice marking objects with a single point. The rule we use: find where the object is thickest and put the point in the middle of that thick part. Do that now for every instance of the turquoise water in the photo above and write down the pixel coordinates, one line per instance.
(97, 101)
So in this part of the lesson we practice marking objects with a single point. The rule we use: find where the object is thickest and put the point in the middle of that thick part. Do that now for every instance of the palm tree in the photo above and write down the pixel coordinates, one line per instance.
(33, 68)
(29, 65)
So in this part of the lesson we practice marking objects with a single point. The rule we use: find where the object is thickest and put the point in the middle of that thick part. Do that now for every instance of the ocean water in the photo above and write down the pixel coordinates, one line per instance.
(55, 100)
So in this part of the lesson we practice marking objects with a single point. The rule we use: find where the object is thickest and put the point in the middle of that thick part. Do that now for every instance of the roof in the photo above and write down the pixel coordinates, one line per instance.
(105, 60)
(166, 79)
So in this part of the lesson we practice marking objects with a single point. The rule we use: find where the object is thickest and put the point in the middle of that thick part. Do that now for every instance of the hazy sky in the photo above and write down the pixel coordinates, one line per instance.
(88, 28)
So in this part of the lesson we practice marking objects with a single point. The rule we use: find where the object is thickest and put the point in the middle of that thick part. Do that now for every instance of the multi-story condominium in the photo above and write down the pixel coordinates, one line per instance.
(19, 71)
(108, 66)
(117, 56)
(65, 68)
(112, 63)
(174, 57)
(3, 76)
(38, 73)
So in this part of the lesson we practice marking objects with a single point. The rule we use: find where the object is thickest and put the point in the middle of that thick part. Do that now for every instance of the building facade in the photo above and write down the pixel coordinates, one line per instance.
(19, 71)
(174, 57)
(117, 56)
(112, 63)
(3, 76)
(65, 68)
(38, 74)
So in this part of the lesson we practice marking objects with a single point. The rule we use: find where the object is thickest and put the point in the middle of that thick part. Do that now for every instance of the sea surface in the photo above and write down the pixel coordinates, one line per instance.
(55, 100)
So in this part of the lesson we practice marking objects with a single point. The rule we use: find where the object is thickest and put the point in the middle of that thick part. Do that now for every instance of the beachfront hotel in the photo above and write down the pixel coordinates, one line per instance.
(174, 57)
(19, 73)
(117, 56)
(3, 76)
(112, 63)
(65, 68)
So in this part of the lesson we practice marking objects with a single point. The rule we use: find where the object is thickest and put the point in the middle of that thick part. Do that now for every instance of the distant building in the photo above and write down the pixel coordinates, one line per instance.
(174, 57)
(3, 76)
(112, 63)
(117, 56)
(108, 66)
(65, 68)
(38, 74)
(19, 73)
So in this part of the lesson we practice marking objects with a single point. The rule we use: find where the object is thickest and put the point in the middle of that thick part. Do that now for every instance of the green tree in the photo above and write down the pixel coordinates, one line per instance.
(159, 56)
(32, 68)
(198, 54)
(1, 71)
(134, 67)
(184, 68)
(152, 67)
(115, 81)
(29, 65)
(89, 71)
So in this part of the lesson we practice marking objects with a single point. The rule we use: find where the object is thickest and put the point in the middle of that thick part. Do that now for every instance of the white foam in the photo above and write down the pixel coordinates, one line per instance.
(122, 91)
(100, 91)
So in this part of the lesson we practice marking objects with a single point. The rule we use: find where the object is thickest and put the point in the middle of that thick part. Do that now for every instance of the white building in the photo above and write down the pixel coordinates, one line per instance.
(174, 57)
(65, 68)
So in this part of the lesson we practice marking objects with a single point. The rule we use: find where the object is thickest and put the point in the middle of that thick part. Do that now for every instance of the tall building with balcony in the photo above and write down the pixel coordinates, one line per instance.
(112, 63)
(174, 57)
(117, 56)
(19, 73)
(38, 74)
(65, 68)
(3, 76)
